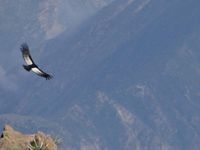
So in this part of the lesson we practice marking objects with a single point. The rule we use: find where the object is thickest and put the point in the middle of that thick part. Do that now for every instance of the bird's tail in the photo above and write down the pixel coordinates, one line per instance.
(27, 68)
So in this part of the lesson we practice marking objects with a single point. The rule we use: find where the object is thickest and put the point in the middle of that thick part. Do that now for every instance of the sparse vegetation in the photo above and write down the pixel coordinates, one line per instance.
(37, 144)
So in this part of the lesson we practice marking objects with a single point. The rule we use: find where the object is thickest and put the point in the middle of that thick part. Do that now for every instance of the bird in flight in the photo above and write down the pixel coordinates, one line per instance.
(31, 66)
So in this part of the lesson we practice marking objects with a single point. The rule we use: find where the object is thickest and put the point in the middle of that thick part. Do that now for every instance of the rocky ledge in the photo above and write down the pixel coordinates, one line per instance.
(14, 140)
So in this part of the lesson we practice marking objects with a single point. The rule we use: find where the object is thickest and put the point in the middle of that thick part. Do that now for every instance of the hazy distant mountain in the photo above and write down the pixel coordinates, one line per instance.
(37, 21)
(127, 78)
(45, 18)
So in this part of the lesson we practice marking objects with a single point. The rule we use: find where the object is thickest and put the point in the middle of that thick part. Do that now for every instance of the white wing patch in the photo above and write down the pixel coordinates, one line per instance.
(28, 60)
(37, 71)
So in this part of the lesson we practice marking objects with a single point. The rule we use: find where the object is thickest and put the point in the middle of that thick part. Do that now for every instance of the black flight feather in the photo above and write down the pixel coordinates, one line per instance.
(31, 66)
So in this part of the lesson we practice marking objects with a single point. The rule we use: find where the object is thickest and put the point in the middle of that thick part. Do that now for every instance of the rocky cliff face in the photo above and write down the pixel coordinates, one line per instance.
(14, 140)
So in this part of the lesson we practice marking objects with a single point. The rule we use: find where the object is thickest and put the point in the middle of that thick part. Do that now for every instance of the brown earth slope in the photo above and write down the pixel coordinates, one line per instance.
(14, 140)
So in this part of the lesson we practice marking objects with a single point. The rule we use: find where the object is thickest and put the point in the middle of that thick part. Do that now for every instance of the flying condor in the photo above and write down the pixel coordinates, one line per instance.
(31, 66)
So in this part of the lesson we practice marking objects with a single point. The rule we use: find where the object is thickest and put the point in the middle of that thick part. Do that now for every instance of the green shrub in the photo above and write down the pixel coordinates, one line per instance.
(37, 145)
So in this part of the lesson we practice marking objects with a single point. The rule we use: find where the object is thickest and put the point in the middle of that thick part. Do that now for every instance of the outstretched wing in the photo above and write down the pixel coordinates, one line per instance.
(31, 65)
(41, 73)
(26, 54)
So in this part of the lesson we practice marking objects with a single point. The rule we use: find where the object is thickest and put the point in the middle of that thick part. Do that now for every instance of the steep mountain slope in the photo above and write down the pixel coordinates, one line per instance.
(128, 79)
(44, 18)
(36, 22)
(134, 63)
